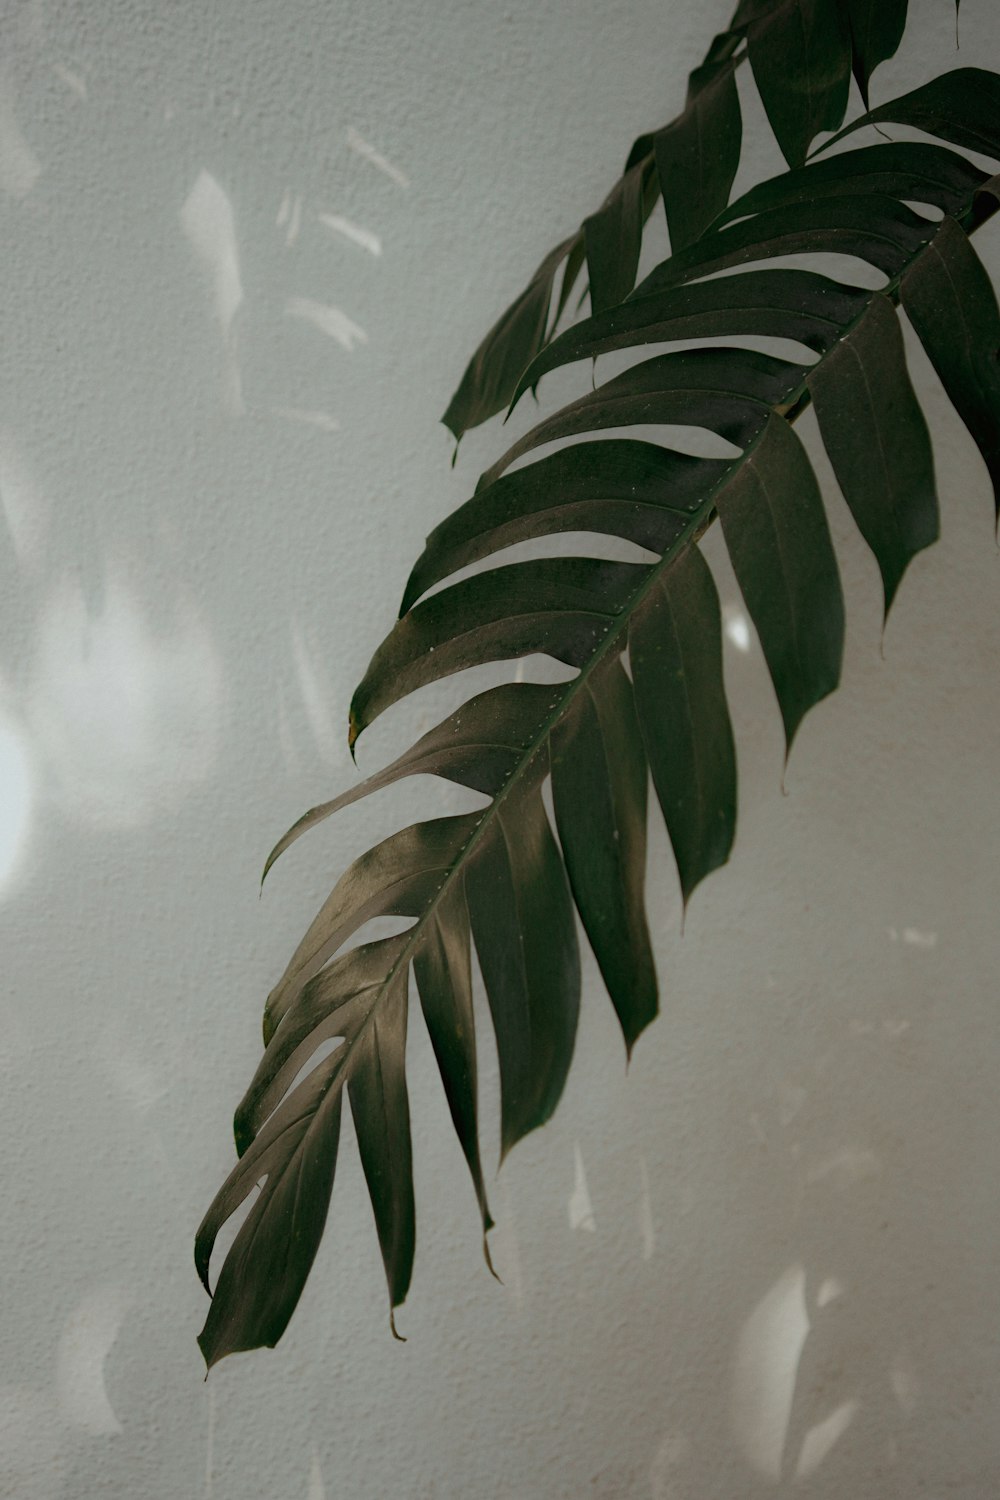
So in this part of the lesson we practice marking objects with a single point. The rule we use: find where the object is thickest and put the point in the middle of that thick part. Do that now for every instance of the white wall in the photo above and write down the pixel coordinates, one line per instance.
(764, 1263)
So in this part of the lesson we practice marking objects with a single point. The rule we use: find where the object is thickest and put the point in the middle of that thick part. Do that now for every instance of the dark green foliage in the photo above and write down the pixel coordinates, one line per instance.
(775, 529)
(962, 107)
(612, 239)
(646, 698)
(790, 304)
(614, 485)
(698, 154)
(800, 52)
(492, 373)
(442, 968)
(877, 439)
(872, 226)
(561, 606)
(675, 648)
(902, 169)
(876, 28)
(522, 921)
(729, 391)
(950, 302)
(599, 792)
(503, 354)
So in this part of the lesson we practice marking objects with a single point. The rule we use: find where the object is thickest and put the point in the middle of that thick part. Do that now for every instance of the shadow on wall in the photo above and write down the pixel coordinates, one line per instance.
(166, 613)
(850, 1282)
(173, 379)
(150, 397)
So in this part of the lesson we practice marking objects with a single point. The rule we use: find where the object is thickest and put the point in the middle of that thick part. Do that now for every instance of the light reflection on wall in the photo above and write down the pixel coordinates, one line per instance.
(364, 148)
(314, 686)
(821, 1437)
(209, 224)
(317, 1489)
(40, 1429)
(580, 1209)
(24, 506)
(125, 715)
(20, 168)
(138, 1079)
(86, 1340)
(16, 796)
(767, 1358)
(329, 320)
(366, 239)
(765, 1375)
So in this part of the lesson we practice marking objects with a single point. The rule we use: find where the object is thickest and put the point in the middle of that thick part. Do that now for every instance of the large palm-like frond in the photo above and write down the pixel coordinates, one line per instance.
(646, 699)
(801, 53)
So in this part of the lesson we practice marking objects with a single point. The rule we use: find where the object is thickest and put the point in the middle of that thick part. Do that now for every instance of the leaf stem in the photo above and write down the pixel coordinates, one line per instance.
(981, 207)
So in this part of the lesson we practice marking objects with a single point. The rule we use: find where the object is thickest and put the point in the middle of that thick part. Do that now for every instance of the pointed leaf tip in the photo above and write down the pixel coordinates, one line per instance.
(949, 299)
(206, 1355)
(877, 441)
(800, 54)
(778, 538)
(517, 884)
(242, 1139)
(599, 775)
(489, 1260)
(675, 651)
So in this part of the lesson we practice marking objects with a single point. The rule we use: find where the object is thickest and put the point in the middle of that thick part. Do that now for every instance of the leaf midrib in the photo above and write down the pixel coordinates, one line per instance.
(792, 405)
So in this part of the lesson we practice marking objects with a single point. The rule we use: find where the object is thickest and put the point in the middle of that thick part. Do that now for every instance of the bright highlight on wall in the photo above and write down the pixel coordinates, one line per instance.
(124, 708)
(16, 796)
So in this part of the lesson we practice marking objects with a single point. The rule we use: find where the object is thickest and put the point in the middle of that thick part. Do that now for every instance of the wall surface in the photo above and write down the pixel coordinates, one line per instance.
(247, 249)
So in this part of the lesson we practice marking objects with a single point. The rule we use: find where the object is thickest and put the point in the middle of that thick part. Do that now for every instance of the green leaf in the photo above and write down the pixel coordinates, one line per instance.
(559, 606)
(675, 650)
(492, 373)
(726, 390)
(617, 486)
(336, 1002)
(599, 778)
(574, 264)
(949, 299)
(522, 922)
(877, 440)
(779, 542)
(800, 53)
(267, 1264)
(910, 170)
(295, 1151)
(443, 971)
(396, 878)
(377, 1091)
(697, 156)
(499, 873)
(789, 304)
(613, 236)
(876, 28)
(477, 746)
(872, 226)
(962, 106)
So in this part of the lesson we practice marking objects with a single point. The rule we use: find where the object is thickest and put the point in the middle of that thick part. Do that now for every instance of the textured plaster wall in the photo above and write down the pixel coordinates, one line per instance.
(247, 249)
